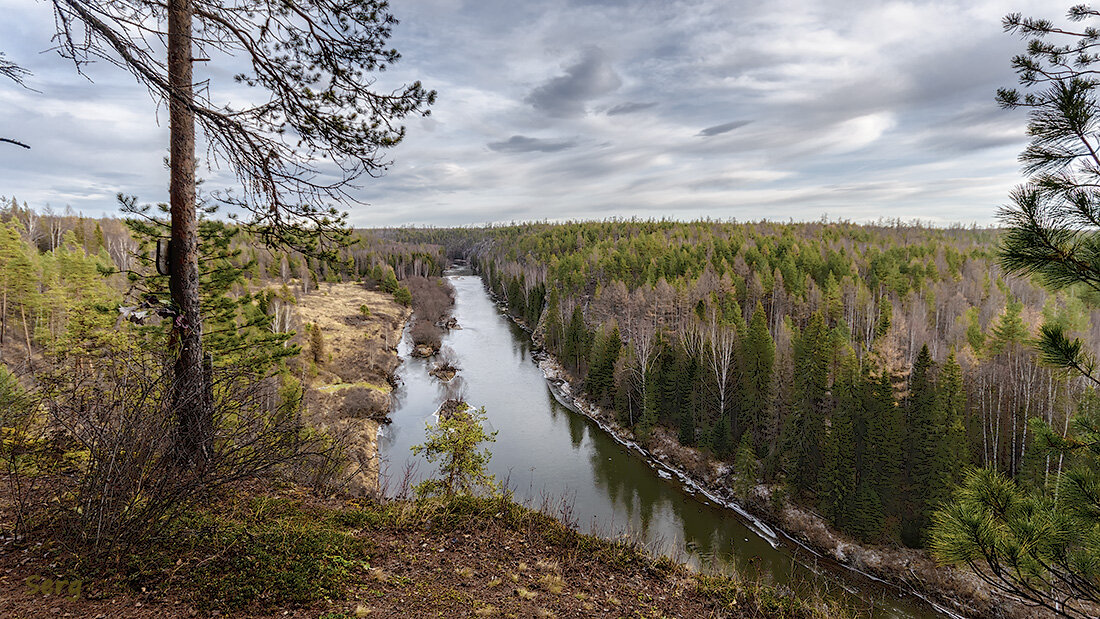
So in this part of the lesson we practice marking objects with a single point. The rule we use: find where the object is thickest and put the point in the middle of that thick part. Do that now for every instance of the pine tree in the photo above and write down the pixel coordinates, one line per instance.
(309, 93)
(237, 333)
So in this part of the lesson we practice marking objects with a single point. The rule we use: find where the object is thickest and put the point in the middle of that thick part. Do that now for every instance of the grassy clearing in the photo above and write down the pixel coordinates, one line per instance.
(384, 387)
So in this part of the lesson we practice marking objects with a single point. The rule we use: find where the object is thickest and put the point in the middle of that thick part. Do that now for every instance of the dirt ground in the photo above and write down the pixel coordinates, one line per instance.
(350, 392)
(471, 565)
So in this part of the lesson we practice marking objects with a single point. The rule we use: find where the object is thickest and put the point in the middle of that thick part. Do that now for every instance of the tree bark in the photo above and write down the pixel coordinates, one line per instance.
(190, 380)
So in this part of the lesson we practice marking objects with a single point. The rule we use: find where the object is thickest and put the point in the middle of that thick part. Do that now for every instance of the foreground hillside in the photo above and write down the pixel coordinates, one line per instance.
(286, 553)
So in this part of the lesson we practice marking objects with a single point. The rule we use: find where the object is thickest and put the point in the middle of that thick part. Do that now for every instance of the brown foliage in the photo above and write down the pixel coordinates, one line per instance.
(432, 300)
(99, 461)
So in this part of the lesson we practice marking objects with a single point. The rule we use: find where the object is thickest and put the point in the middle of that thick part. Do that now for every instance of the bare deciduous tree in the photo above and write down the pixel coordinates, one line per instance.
(16, 74)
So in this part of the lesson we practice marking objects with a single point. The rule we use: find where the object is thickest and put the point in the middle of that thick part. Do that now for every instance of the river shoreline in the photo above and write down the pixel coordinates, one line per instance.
(947, 590)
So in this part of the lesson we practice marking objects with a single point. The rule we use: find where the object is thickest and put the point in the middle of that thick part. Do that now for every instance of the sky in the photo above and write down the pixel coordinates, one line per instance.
(590, 109)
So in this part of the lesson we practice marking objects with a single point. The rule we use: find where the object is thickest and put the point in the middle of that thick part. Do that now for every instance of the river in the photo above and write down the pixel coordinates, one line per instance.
(551, 455)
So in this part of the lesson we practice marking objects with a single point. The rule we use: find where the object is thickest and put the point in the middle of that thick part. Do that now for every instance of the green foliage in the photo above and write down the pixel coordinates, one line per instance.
(745, 467)
(278, 559)
(974, 334)
(575, 347)
(600, 382)
(402, 296)
(455, 444)
(838, 480)
(758, 353)
(388, 281)
(1010, 330)
(316, 344)
(804, 433)
(1028, 542)
(236, 330)
(1040, 545)
(934, 441)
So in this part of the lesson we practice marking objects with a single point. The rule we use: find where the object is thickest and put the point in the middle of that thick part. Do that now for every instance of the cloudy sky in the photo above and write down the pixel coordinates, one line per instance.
(559, 109)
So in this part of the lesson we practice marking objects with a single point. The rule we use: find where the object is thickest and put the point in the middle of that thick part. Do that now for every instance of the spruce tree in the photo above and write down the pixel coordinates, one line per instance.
(804, 432)
(838, 480)
(929, 461)
(601, 371)
(744, 468)
(757, 358)
(885, 316)
(883, 470)
(955, 416)
(552, 329)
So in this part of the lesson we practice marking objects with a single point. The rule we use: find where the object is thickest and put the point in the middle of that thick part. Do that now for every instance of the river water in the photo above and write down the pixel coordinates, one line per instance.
(552, 456)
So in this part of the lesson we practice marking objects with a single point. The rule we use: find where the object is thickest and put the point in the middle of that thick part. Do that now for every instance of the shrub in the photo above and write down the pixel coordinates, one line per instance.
(454, 442)
(316, 344)
(112, 462)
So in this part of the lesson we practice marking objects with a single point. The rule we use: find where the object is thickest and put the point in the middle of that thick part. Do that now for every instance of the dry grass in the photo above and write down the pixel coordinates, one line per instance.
(350, 390)
(525, 594)
(335, 309)
(552, 583)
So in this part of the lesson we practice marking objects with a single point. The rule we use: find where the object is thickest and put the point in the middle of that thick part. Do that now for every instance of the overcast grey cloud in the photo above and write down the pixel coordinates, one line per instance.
(597, 108)
(722, 128)
(524, 144)
(566, 95)
(630, 108)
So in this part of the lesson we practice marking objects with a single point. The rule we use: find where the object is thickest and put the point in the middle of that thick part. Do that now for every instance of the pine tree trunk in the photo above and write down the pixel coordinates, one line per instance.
(190, 381)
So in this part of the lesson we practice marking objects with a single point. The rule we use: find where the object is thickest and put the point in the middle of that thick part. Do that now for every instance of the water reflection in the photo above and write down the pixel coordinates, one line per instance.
(576, 423)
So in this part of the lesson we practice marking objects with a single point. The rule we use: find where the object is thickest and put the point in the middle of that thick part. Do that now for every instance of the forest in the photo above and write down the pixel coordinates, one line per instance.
(858, 370)
(911, 345)
(862, 366)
